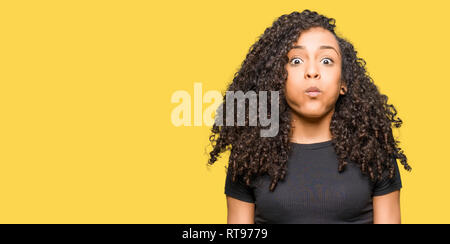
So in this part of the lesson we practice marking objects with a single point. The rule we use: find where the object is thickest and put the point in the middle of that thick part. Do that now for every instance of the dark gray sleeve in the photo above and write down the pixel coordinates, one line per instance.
(238, 189)
(387, 185)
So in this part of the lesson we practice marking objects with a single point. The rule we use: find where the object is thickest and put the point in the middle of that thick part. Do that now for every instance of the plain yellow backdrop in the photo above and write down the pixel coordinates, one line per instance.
(85, 111)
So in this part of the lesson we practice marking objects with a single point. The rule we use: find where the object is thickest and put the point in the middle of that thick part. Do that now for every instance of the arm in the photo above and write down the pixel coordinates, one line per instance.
(386, 208)
(240, 212)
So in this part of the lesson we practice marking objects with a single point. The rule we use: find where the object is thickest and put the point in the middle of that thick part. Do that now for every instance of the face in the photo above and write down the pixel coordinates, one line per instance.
(315, 61)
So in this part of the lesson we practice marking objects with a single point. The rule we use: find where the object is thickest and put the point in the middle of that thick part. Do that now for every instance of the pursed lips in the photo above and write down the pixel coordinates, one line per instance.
(313, 91)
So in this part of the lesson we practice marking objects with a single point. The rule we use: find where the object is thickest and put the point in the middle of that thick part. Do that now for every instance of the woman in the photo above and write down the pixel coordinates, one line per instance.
(334, 159)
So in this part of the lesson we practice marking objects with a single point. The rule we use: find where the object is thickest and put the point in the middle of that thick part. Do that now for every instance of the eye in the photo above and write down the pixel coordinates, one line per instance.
(328, 60)
(295, 61)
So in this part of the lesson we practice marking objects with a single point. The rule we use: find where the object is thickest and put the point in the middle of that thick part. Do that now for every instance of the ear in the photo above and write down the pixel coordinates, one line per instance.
(343, 88)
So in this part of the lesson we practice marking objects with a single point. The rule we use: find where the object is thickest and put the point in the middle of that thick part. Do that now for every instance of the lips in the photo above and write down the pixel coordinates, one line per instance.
(313, 89)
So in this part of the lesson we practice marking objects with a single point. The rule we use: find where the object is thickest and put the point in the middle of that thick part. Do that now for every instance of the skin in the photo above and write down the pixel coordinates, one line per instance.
(386, 209)
(240, 212)
(309, 66)
(316, 62)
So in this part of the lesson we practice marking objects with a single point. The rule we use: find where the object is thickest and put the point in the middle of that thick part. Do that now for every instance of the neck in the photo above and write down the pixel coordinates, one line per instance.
(310, 130)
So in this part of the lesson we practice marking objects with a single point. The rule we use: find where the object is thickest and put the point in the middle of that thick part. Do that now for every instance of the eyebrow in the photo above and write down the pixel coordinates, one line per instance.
(321, 47)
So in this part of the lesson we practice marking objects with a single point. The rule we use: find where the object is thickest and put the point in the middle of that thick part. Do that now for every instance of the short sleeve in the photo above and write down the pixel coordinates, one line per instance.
(238, 189)
(387, 185)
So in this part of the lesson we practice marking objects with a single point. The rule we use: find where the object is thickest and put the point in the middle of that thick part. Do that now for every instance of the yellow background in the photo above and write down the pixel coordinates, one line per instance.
(85, 129)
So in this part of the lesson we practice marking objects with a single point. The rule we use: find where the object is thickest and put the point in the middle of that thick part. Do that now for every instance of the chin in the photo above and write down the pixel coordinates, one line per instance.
(313, 115)
(318, 112)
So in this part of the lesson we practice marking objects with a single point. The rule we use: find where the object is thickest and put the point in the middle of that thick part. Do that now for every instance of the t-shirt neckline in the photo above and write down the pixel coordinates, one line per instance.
(316, 145)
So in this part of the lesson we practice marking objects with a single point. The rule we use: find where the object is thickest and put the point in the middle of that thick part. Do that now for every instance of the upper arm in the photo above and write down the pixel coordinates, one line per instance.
(240, 212)
(386, 208)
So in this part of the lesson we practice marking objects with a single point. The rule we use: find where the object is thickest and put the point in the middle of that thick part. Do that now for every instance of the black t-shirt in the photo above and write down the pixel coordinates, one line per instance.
(313, 191)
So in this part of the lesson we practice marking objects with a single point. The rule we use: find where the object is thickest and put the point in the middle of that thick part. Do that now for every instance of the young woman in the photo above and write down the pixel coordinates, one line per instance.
(334, 159)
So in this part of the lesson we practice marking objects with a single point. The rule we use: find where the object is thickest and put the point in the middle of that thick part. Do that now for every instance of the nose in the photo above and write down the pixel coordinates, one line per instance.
(311, 72)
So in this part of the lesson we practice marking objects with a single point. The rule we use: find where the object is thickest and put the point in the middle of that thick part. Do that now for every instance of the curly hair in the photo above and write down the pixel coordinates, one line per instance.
(360, 126)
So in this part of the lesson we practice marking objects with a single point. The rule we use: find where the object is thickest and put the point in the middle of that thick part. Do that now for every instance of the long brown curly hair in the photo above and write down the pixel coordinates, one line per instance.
(360, 126)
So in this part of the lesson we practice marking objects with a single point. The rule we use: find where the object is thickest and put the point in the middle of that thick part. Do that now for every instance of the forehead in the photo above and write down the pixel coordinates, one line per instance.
(315, 37)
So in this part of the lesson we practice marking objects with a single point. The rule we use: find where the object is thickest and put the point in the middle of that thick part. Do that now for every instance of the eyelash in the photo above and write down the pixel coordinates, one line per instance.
(332, 61)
